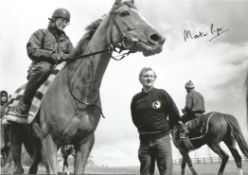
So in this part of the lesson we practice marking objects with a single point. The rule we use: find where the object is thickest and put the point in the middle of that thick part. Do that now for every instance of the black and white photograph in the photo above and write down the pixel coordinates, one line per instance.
(149, 87)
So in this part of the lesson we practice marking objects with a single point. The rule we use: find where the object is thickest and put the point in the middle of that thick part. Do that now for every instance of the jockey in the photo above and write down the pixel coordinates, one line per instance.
(4, 102)
(46, 48)
(194, 107)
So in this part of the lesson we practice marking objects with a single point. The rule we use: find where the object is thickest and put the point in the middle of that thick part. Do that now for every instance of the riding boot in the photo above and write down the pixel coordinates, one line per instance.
(37, 77)
(185, 119)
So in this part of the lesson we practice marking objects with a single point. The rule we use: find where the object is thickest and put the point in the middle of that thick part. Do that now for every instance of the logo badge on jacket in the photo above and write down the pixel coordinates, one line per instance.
(156, 104)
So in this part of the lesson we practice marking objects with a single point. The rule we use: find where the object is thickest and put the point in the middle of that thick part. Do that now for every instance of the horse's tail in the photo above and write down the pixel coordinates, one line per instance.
(236, 132)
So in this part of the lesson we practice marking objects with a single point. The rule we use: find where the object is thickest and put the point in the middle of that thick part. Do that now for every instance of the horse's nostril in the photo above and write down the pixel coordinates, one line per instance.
(156, 38)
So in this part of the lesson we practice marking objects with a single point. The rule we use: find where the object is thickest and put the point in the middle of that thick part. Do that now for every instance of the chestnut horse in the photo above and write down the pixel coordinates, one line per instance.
(71, 109)
(66, 151)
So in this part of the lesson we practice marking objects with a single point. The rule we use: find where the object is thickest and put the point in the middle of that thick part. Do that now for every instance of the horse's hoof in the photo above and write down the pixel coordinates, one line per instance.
(19, 172)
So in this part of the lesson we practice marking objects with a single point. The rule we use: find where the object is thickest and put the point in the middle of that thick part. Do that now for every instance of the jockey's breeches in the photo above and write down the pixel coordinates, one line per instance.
(37, 76)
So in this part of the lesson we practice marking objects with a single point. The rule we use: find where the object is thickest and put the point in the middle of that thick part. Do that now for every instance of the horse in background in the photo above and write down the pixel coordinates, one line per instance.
(218, 127)
(6, 158)
(71, 109)
(66, 151)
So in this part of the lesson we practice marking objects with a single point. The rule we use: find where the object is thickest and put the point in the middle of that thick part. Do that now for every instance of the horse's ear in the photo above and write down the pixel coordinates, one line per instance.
(132, 1)
(118, 2)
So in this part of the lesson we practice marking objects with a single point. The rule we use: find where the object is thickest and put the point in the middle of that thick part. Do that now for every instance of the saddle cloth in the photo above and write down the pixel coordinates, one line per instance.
(199, 132)
(36, 102)
(202, 127)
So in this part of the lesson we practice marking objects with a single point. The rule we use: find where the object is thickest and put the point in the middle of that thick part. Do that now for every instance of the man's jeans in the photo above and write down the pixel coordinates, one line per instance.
(156, 151)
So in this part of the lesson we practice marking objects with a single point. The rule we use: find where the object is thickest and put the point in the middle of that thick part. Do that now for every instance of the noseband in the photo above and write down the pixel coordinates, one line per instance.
(121, 45)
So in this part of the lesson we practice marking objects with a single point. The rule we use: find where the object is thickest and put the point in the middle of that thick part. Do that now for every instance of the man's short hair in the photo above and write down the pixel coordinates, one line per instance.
(145, 69)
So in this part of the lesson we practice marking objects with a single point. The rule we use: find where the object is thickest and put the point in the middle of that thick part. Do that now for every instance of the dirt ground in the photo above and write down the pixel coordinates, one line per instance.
(202, 169)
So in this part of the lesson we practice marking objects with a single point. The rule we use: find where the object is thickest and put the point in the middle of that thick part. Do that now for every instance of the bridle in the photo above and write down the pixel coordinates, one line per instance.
(112, 47)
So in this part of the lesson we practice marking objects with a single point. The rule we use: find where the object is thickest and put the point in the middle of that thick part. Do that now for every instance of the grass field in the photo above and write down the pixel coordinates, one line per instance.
(202, 169)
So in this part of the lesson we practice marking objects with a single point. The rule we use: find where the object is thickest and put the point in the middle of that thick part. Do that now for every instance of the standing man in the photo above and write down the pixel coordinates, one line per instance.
(46, 48)
(154, 113)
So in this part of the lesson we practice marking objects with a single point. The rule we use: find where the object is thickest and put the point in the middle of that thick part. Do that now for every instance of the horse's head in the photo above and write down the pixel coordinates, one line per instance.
(128, 30)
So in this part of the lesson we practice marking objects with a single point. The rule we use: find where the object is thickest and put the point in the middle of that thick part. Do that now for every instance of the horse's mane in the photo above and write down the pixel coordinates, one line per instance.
(84, 41)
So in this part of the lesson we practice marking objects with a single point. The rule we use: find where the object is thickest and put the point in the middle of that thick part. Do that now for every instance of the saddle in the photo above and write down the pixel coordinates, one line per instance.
(200, 128)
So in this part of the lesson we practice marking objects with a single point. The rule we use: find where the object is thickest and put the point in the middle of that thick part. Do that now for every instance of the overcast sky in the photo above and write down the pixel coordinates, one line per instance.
(217, 67)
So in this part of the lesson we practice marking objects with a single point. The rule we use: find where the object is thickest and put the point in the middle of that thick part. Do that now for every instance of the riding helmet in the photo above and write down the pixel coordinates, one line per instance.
(61, 13)
(189, 85)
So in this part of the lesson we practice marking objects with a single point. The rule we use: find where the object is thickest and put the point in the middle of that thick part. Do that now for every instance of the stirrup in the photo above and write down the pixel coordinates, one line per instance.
(182, 136)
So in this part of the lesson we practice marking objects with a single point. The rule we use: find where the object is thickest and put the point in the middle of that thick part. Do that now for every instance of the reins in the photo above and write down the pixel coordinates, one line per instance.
(84, 56)
(87, 55)
(78, 100)
(111, 48)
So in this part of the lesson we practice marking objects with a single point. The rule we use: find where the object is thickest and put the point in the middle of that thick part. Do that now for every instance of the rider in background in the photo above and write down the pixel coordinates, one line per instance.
(46, 48)
(4, 102)
(194, 107)
(5, 133)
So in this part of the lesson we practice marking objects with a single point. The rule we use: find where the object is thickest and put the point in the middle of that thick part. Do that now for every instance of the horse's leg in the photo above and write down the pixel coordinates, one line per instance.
(7, 163)
(187, 159)
(82, 154)
(36, 159)
(5, 143)
(16, 149)
(230, 143)
(67, 166)
(224, 156)
(183, 165)
(33, 148)
(65, 163)
(6, 158)
(49, 154)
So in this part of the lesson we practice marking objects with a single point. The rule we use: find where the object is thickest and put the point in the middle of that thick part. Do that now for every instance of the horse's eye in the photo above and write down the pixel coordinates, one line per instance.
(125, 13)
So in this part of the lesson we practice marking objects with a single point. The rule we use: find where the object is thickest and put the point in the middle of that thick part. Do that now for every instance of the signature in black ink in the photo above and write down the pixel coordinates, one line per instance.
(214, 32)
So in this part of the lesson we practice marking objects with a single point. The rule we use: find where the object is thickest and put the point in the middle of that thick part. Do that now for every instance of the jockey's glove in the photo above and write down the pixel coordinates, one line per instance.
(55, 57)
(65, 57)
(59, 57)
